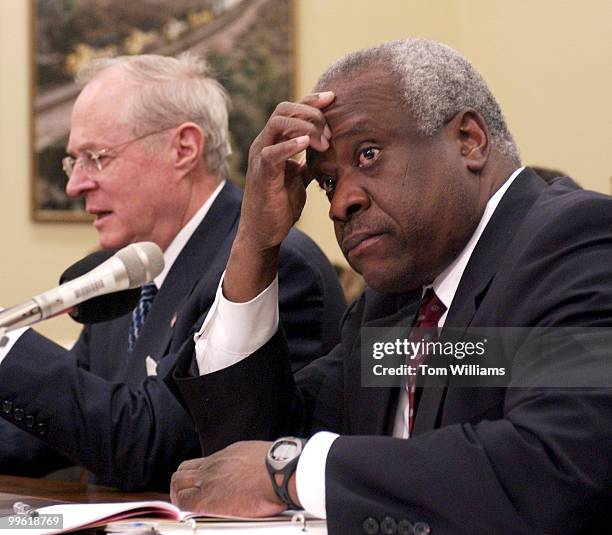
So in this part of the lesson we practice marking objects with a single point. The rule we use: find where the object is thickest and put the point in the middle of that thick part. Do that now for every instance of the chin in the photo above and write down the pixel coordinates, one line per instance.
(112, 242)
(392, 280)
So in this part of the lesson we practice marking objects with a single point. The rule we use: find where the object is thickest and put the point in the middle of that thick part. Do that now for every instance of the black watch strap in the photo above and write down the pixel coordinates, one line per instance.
(282, 489)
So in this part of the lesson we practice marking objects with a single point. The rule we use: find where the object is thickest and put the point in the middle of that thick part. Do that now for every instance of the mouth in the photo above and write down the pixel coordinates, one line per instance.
(360, 242)
(100, 215)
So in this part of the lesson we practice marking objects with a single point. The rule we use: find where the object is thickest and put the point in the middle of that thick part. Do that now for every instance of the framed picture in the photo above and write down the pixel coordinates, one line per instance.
(248, 43)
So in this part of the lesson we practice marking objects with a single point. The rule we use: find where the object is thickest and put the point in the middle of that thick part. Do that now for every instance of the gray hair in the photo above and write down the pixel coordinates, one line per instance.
(173, 91)
(435, 82)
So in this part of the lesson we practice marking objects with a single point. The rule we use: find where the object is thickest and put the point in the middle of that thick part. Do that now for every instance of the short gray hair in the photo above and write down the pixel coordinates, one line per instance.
(173, 91)
(435, 82)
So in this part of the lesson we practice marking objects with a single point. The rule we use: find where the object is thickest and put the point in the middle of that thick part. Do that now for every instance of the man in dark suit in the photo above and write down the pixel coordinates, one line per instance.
(148, 145)
(431, 205)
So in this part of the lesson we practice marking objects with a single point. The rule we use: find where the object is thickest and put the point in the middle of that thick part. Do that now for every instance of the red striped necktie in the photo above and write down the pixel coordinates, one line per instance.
(425, 329)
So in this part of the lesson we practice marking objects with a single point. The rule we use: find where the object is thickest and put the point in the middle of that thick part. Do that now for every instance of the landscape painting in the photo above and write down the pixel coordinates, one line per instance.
(248, 44)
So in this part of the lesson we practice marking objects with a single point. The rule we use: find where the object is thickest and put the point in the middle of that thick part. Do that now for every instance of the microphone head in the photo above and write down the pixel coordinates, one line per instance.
(143, 261)
(105, 307)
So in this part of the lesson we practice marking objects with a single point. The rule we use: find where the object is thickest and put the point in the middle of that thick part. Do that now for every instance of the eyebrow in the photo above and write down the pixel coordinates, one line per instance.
(86, 146)
(359, 127)
(353, 131)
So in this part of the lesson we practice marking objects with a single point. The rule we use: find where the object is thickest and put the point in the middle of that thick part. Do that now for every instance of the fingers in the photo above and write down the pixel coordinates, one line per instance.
(186, 481)
(319, 100)
(233, 481)
(191, 464)
(292, 127)
(277, 155)
(294, 119)
(274, 194)
(187, 499)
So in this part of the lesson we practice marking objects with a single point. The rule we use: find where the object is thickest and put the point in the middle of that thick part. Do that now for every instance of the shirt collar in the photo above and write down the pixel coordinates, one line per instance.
(181, 239)
(445, 285)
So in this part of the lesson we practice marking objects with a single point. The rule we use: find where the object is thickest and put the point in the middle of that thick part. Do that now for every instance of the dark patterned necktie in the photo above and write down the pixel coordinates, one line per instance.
(139, 314)
(425, 329)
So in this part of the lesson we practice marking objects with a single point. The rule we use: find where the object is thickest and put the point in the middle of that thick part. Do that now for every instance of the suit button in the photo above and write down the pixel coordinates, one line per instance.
(405, 527)
(41, 429)
(29, 421)
(388, 525)
(7, 407)
(421, 528)
(18, 414)
(370, 526)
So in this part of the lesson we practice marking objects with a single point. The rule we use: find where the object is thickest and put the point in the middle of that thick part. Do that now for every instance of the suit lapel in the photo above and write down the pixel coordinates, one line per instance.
(476, 279)
(193, 264)
(370, 407)
(492, 246)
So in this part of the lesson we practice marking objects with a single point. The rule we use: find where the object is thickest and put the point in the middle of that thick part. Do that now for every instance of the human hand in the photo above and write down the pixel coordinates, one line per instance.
(275, 192)
(233, 481)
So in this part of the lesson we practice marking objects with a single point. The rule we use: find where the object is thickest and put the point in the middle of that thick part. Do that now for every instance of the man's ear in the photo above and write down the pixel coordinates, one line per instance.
(473, 138)
(188, 145)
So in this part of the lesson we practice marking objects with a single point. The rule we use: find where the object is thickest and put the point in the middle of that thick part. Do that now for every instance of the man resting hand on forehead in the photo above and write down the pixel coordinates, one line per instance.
(431, 205)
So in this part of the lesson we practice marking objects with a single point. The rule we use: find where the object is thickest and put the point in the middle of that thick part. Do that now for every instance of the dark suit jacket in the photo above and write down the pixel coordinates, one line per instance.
(96, 405)
(482, 460)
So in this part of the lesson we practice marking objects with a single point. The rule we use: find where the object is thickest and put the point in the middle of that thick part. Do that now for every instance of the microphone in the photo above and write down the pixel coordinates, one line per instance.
(104, 307)
(130, 267)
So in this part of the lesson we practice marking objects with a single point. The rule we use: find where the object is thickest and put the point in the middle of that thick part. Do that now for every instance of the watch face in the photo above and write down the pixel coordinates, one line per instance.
(285, 450)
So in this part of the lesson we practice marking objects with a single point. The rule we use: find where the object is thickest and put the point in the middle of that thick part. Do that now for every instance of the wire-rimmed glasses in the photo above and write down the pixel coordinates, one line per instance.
(91, 161)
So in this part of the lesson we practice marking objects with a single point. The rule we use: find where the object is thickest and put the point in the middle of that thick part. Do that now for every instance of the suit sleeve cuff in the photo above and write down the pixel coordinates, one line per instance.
(233, 331)
(310, 474)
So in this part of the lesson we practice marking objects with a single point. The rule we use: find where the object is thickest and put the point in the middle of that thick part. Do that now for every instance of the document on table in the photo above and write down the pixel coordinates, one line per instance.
(160, 516)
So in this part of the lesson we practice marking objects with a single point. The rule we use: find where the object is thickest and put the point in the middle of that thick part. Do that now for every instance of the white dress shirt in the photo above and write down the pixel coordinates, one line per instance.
(260, 316)
(170, 255)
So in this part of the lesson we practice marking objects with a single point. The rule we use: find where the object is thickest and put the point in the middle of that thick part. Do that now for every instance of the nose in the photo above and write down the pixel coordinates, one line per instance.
(79, 182)
(348, 199)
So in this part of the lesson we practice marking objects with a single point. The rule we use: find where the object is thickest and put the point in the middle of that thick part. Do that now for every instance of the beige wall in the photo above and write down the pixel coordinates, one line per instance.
(548, 61)
(33, 254)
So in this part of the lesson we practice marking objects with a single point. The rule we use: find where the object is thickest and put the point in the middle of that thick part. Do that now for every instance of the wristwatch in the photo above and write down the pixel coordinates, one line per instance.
(282, 458)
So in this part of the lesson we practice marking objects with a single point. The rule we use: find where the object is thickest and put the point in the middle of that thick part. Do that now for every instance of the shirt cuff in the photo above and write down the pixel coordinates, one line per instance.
(11, 339)
(232, 331)
(310, 473)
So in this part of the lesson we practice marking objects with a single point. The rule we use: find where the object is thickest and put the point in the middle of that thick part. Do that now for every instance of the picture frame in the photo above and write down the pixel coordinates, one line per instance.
(248, 44)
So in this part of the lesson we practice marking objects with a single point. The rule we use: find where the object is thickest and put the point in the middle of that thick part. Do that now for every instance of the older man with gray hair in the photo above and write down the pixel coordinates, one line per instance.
(431, 205)
(148, 152)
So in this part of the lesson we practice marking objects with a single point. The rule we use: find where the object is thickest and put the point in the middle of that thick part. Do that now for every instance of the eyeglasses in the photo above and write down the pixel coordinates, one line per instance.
(91, 161)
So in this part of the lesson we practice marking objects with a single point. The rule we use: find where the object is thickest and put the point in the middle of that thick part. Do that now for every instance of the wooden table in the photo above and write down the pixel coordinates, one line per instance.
(39, 492)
